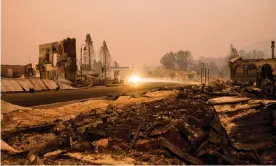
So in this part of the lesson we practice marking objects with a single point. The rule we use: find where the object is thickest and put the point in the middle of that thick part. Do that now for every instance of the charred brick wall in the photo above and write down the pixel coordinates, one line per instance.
(17, 70)
(69, 45)
(246, 70)
(46, 52)
(63, 51)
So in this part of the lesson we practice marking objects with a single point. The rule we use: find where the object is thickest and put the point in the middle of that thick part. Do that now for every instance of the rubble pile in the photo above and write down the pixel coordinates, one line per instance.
(197, 126)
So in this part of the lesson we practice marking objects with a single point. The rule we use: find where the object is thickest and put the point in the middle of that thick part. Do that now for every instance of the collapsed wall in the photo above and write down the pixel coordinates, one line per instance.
(58, 57)
(249, 70)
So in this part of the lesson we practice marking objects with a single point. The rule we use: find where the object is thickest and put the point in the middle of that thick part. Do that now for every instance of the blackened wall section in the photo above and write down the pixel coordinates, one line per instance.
(70, 50)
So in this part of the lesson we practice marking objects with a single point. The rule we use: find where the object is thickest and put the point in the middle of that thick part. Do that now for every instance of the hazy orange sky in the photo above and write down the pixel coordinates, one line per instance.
(137, 31)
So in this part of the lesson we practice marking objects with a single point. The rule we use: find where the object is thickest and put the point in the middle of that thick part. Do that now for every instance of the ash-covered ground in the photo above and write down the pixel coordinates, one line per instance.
(214, 124)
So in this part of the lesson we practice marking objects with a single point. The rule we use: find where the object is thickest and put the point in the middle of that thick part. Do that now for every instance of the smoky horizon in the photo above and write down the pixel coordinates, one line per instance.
(138, 32)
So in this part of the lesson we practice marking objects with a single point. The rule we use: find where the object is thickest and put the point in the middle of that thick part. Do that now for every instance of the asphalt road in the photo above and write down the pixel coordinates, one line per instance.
(50, 97)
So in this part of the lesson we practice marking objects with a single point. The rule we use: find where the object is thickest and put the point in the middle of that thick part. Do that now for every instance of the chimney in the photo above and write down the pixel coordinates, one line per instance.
(272, 48)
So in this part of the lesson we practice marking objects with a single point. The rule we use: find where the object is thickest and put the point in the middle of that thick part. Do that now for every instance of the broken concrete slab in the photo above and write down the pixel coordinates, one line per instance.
(7, 147)
(5, 86)
(26, 84)
(53, 153)
(220, 93)
(50, 84)
(163, 130)
(103, 159)
(184, 155)
(65, 86)
(15, 85)
(123, 98)
(39, 85)
(230, 160)
(253, 146)
(145, 144)
(225, 108)
(102, 143)
(248, 125)
(228, 100)
(34, 160)
(264, 102)
(157, 93)
(36, 85)
(10, 85)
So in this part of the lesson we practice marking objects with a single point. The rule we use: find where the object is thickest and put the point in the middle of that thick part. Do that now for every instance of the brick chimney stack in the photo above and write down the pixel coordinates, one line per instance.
(272, 48)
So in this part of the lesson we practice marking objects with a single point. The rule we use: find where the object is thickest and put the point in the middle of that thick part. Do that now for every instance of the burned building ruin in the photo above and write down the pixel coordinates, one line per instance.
(252, 70)
(58, 57)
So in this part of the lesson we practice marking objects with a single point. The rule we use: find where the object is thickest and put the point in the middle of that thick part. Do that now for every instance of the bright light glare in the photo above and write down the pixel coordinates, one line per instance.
(134, 79)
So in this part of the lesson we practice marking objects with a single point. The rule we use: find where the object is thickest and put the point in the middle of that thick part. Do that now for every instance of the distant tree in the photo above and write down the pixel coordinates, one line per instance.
(252, 54)
(145, 69)
(183, 60)
(180, 60)
(190, 76)
(168, 60)
(213, 69)
(225, 71)
(242, 53)
(196, 66)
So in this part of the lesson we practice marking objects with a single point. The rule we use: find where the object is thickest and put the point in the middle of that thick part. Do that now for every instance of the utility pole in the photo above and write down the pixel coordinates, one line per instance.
(81, 64)
(81, 58)
(208, 76)
(205, 76)
(105, 64)
(89, 57)
(102, 72)
(272, 48)
(201, 75)
(202, 70)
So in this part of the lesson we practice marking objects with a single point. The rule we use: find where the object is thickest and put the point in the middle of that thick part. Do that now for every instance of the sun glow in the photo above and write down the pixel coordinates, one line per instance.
(134, 79)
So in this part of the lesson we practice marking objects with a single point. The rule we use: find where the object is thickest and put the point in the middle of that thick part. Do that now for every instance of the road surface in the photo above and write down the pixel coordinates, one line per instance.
(50, 97)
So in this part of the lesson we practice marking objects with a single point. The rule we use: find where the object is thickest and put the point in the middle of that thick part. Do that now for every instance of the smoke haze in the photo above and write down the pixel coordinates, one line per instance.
(138, 31)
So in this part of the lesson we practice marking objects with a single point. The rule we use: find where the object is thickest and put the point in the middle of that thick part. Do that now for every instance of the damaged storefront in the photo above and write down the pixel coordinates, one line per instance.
(261, 72)
(58, 59)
